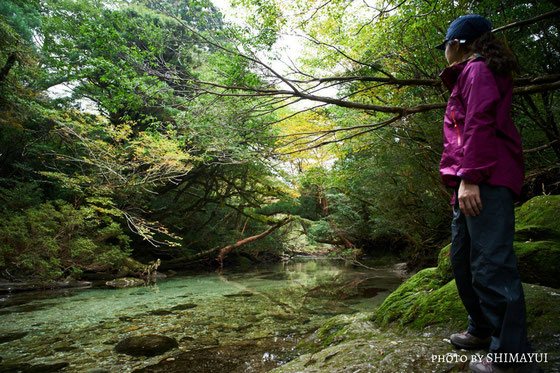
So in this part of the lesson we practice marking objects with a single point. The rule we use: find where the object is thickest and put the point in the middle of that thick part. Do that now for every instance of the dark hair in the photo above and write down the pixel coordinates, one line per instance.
(499, 57)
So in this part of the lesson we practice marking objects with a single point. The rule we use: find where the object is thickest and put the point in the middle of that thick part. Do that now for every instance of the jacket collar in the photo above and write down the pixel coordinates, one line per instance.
(450, 74)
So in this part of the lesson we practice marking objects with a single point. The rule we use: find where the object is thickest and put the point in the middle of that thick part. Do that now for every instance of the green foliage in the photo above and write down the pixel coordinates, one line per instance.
(23, 16)
(149, 144)
(54, 240)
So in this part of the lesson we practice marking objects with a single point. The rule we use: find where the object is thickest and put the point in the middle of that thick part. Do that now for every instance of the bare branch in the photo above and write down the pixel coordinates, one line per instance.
(539, 148)
(529, 21)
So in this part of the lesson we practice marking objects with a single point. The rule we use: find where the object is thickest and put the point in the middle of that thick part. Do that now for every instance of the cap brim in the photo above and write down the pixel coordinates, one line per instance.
(441, 46)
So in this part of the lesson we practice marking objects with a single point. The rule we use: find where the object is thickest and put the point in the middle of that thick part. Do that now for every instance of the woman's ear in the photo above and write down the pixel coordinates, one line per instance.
(454, 43)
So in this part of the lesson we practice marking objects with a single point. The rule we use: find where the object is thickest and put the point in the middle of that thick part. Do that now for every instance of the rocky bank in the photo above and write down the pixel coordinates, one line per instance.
(409, 331)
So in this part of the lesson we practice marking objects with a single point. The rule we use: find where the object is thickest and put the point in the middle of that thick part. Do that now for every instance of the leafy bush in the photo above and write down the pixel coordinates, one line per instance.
(54, 240)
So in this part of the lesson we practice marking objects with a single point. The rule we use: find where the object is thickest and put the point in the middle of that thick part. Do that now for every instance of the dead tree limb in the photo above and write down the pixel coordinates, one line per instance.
(554, 13)
(226, 249)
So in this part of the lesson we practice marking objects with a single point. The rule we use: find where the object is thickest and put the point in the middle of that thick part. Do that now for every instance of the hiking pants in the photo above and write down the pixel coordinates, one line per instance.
(485, 269)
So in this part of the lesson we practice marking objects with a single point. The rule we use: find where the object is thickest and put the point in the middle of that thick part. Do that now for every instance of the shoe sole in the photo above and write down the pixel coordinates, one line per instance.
(470, 347)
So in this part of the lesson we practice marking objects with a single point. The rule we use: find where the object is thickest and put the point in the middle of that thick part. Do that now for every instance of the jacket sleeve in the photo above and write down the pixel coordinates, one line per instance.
(481, 95)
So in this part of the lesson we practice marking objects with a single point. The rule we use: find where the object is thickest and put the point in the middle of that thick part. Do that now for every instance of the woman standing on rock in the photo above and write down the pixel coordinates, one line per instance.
(482, 160)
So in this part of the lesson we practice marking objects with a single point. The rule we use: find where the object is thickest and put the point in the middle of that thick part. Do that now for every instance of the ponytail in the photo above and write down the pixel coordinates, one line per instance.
(499, 57)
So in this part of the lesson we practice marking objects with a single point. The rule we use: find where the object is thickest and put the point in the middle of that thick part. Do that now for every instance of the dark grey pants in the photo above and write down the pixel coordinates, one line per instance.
(485, 269)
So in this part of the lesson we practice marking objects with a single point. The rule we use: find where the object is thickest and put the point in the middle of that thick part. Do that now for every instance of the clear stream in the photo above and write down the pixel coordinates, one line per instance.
(279, 302)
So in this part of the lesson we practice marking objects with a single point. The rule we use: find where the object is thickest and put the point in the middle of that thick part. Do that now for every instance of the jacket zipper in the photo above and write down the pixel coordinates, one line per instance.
(456, 127)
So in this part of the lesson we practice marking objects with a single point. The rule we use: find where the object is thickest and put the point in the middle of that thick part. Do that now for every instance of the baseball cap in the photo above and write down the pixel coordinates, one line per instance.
(466, 29)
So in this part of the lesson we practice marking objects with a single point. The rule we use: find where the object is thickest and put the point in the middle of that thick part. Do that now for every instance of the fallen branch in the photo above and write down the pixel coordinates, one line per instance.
(226, 249)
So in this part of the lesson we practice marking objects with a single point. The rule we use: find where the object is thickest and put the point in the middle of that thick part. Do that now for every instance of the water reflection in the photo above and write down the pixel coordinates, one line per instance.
(284, 300)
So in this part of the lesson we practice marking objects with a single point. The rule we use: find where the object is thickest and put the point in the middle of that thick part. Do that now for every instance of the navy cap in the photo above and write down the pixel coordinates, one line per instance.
(467, 29)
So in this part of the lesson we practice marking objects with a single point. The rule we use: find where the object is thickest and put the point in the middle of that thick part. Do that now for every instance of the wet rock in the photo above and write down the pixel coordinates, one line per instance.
(10, 287)
(30, 308)
(39, 368)
(125, 282)
(185, 306)
(370, 292)
(146, 345)
(240, 357)
(240, 294)
(208, 341)
(160, 312)
(281, 276)
(158, 276)
(11, 336)
(65, 346)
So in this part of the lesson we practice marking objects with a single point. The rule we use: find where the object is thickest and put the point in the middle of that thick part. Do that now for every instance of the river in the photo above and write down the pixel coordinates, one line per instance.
(254, 316)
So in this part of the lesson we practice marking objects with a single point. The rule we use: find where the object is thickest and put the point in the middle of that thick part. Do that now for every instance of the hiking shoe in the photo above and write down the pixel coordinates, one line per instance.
(468, 341)
(486, 366)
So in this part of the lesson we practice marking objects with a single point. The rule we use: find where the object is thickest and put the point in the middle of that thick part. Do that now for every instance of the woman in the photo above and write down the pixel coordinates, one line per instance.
(482, 160)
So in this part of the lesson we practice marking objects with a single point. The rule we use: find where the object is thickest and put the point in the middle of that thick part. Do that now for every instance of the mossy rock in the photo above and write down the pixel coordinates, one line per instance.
(421, 301)
(543, 310)
(444, 270)
(542, 212)
(337, 329)
(406, 295)
(133, 265)
(537, 240)
(539, 262)
(441, 307)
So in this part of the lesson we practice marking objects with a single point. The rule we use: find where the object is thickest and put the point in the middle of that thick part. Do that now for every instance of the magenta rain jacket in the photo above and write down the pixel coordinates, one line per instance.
(480, 141)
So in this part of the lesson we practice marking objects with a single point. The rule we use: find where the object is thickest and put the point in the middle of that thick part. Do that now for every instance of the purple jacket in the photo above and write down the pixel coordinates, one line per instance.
(480, 141)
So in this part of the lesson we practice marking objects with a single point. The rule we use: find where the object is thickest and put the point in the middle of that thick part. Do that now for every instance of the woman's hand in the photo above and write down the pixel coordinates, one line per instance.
(469, 198)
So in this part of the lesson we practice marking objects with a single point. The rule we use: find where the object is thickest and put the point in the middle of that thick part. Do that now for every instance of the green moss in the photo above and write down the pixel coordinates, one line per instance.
(441, 307)
(399, 301)
(337, 329)
(539, 212)
(444, 270)
(543, 310)
(538, 262)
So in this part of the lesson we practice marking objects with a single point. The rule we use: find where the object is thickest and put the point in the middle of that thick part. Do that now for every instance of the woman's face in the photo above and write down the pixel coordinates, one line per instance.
(453, 52)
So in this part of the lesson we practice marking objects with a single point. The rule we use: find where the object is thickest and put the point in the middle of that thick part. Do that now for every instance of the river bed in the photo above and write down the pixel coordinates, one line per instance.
(265, 310)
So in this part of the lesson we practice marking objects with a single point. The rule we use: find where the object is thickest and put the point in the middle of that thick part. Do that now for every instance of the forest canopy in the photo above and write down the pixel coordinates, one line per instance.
(163, 129)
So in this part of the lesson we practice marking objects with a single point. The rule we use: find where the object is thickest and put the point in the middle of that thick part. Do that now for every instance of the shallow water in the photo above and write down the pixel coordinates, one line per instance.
(280, 302)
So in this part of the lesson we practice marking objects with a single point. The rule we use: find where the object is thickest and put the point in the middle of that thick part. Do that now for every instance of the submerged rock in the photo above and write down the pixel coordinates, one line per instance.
(185, 306)
(11, 287)
(240, 294)
(11, 336)
(160, 312)
(146, 345)
(28, 368)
